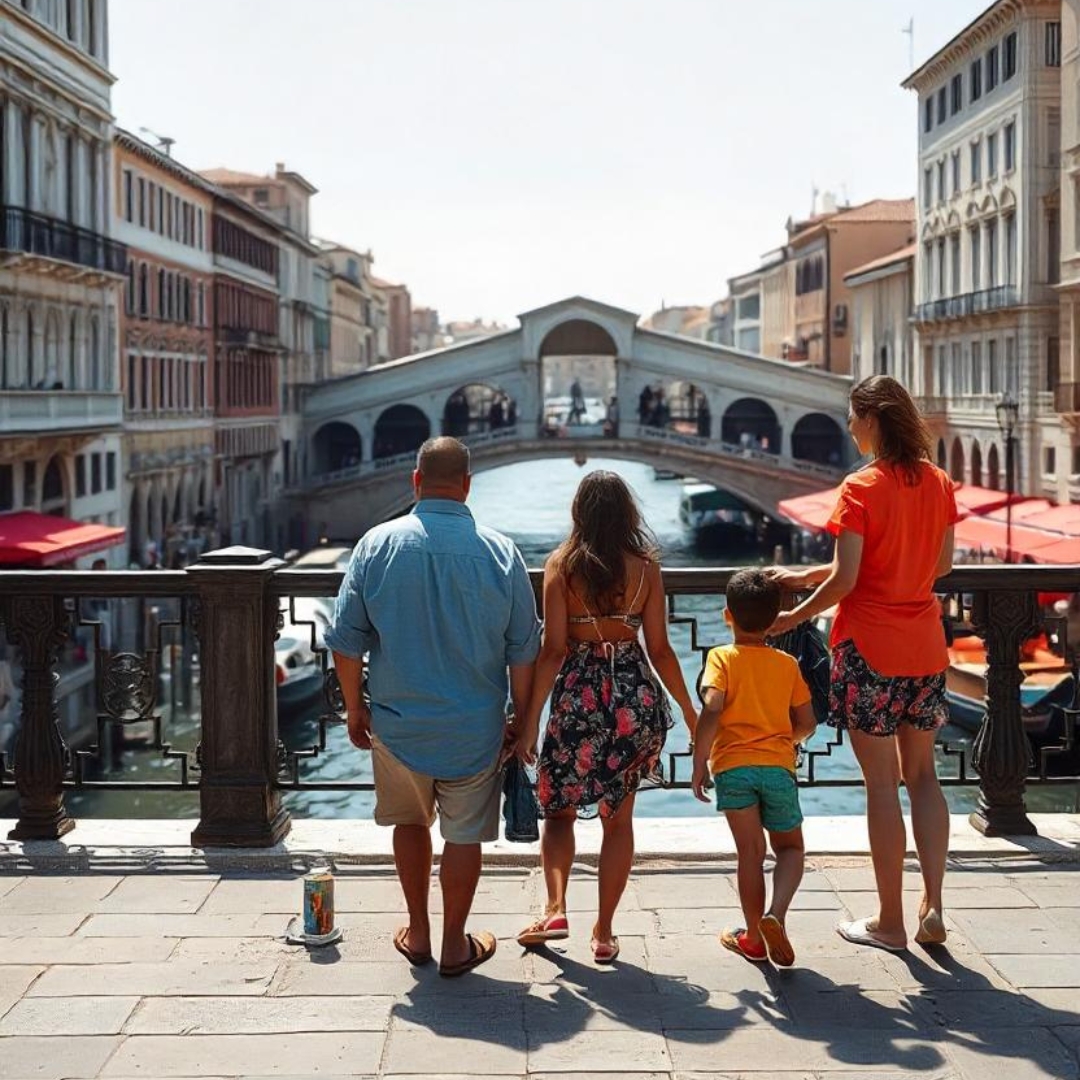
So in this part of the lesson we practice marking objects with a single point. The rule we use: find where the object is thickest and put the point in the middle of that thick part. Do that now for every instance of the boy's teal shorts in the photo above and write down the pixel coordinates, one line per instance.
(769, 787)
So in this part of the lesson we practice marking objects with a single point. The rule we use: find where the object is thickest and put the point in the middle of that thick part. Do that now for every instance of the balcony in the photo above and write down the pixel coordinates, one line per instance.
(973, 303)
(45, 411)
(37, 234)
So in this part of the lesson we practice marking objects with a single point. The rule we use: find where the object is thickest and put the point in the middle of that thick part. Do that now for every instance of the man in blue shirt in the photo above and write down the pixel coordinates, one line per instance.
(443, 609)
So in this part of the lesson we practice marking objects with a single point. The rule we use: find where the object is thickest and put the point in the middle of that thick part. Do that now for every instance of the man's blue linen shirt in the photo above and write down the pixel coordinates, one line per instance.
(443, 606)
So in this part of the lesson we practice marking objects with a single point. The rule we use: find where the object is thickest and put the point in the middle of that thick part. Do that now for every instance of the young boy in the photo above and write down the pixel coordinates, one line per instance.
(756, 707)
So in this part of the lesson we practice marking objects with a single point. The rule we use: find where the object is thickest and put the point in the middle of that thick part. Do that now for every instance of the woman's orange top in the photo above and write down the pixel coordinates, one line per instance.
(892, 615)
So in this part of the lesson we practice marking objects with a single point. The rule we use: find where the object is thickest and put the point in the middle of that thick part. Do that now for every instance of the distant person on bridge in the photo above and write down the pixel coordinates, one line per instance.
(609, 716)
(577, 403)
(893, 525)
(443, 608)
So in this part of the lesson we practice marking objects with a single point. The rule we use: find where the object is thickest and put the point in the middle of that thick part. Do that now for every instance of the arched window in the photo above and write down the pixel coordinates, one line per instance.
(202, 304)
(144, 291)
(161, 294)
(129, 292)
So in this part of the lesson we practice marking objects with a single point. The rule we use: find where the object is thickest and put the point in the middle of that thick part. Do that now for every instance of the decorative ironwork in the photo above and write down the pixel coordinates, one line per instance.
(127, 687)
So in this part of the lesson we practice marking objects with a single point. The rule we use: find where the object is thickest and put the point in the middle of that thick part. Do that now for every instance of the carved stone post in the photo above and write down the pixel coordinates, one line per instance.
(37, 626)
(240, 805)
(1001, 753)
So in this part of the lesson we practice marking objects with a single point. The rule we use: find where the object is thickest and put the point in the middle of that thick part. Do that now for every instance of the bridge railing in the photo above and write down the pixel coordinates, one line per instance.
(193, 690)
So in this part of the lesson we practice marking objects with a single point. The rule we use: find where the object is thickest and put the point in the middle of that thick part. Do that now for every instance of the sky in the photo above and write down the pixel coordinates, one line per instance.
(498, 155)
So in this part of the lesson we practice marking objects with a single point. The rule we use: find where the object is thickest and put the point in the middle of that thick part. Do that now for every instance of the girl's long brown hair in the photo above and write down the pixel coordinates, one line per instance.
(905, 440)
(607, 526)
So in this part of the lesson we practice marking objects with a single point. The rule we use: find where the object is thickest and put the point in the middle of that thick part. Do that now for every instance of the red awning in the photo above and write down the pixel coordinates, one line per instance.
(812, 511)
(1064, 551)
(1045, 515)
(30, 540)
(979, 500)
(990, 535)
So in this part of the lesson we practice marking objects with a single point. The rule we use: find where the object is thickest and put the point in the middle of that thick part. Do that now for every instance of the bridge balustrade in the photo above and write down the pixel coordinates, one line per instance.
(209, 647)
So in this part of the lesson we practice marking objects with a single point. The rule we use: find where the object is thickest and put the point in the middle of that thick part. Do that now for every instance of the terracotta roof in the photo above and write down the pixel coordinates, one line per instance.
(879, 210)
(227, 177)
(901, 255)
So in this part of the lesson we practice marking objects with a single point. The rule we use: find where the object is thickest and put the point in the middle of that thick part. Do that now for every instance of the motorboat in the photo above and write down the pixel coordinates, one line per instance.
(298, 655)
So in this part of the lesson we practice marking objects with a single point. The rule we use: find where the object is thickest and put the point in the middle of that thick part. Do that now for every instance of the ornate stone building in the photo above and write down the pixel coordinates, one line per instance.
(60, 270)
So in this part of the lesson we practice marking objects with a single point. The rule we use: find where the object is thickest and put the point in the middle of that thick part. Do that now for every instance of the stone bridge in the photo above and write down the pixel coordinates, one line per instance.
(577, 379)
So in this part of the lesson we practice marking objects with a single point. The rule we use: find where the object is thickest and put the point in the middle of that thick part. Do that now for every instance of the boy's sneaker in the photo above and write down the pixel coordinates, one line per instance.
(736, 941)
(776, 941)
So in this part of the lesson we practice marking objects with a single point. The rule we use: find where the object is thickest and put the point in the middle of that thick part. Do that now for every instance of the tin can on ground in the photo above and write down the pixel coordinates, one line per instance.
(319, 903)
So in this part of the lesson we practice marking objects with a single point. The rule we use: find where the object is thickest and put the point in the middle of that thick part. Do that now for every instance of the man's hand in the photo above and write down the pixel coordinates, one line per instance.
(701, 781)
(359, 721)
(519, 741)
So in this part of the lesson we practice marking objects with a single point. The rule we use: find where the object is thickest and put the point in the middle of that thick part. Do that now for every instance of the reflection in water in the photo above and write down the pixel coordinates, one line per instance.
(531, 503)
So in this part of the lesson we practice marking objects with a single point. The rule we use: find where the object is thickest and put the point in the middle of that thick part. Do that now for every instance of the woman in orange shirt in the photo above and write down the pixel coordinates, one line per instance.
(893, 525)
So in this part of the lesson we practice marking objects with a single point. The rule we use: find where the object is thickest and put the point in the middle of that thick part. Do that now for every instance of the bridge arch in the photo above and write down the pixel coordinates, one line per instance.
(336, 445)
(400, 429)
(817, 437)
(753, 422)
(478, 407)
(578, 337)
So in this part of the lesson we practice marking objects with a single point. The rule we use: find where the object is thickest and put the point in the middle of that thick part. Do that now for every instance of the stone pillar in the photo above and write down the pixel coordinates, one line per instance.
(13, 188)
(1001, 752)
(34, 179)
(240, 805)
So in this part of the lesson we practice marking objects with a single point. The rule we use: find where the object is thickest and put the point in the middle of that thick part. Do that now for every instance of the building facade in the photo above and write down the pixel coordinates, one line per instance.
(352, 336)
(395, 305)
(61, 270)
(989, 234)
(426, 330)
(163, 213)
(882, 295)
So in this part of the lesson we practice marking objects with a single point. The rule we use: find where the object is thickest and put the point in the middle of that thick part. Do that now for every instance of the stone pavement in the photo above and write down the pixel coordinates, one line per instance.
(184, 972)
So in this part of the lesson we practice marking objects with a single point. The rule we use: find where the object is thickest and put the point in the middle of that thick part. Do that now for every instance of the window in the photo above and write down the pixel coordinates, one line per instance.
(7, 487)
(976, 367)
(957, 94)
(144, 291)
(95, 474)
(941, 279)
(161, 210)
(954, 257)
(80, 475)
(941, 180)
(129, 291)
(956, 172)
(993, 374)
(129, 196)
(1053, 137)
(1012, 375)
(927, 188)
(991, 155)
(131, 383)
(1049, 461)
(976, 161)
(1053, 363)
(142, 202)
(1010, 250)
(262, 197)
(992, 68)
(991, 254)
(29, 499)
(1010, 146)
(1009, 57)
(975, 79)
(941, 102)
(1053, 246)
(151, 212)
(928, 114)
(1052, 52)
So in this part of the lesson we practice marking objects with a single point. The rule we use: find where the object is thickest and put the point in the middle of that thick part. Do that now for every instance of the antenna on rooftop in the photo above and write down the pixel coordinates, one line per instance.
(910, 31)
(164, 143)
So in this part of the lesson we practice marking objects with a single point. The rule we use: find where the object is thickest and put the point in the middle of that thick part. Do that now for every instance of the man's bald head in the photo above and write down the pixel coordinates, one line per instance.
(442, 468)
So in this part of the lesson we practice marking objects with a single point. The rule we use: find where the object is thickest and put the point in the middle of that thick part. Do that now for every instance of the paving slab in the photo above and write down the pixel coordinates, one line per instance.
(58, 895)
(418, 1050)
(56, 1057)
(153, 980)
(1016, 1053)
(1027, 971)
(257, 1016)
(68, 1016)
(142, 893)
(161, 1056)
(176, 926)
(599, 1052)
(81, 950)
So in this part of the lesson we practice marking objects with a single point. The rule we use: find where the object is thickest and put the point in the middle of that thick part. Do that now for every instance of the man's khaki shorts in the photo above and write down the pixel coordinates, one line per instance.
(468, 809)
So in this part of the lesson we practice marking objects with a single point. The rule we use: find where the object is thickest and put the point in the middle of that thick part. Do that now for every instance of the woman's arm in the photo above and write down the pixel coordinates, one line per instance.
(552, 649)
(661, 654)
(838, 583)
(805, 577)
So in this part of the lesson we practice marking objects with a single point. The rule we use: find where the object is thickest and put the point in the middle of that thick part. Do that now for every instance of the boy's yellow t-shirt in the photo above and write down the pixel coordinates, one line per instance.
(761, 686)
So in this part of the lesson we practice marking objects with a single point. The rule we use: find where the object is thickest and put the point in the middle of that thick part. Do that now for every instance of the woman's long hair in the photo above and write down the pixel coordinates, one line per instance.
(607, 526)
(904, 439)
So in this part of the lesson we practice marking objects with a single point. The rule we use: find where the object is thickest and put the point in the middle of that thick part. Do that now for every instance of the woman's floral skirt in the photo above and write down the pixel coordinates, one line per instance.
(609, 719)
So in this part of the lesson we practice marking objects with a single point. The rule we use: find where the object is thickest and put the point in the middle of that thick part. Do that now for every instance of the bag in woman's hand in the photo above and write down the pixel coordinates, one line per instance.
(520, 808)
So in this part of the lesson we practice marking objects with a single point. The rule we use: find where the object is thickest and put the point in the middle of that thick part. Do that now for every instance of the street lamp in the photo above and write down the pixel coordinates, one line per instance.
(1008, 413)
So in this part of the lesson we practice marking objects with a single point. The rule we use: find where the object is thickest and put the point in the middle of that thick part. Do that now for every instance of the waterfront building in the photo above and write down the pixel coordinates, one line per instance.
(881, 304)
(686, 320)
(61, 271)
(462, 330)
(989, 234)
(352, 338)
(394, 304)
(163, 213)
(426, 331)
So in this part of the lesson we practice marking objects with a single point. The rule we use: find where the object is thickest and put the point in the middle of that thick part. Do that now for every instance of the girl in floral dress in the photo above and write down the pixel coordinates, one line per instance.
(609, 716)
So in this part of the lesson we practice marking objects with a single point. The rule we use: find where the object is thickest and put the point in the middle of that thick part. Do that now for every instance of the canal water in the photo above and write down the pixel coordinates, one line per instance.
(531, 503)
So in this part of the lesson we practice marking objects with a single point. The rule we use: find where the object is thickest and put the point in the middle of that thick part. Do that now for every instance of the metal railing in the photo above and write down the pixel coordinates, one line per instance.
(972, 303)
(226, 611)
(38, 234)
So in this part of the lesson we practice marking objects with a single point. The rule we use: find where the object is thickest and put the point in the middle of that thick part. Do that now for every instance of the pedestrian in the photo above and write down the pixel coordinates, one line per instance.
(609, 715)
(756, 707)
(437, 609)
(611, 418)
(893, 525)
(577, 403)
(645, 405)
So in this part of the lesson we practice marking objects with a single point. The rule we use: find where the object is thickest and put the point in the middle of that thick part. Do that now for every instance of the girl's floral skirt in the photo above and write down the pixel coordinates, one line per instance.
(605, 734)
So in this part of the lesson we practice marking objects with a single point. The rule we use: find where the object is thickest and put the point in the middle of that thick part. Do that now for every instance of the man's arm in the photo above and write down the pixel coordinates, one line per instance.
(350, 673)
